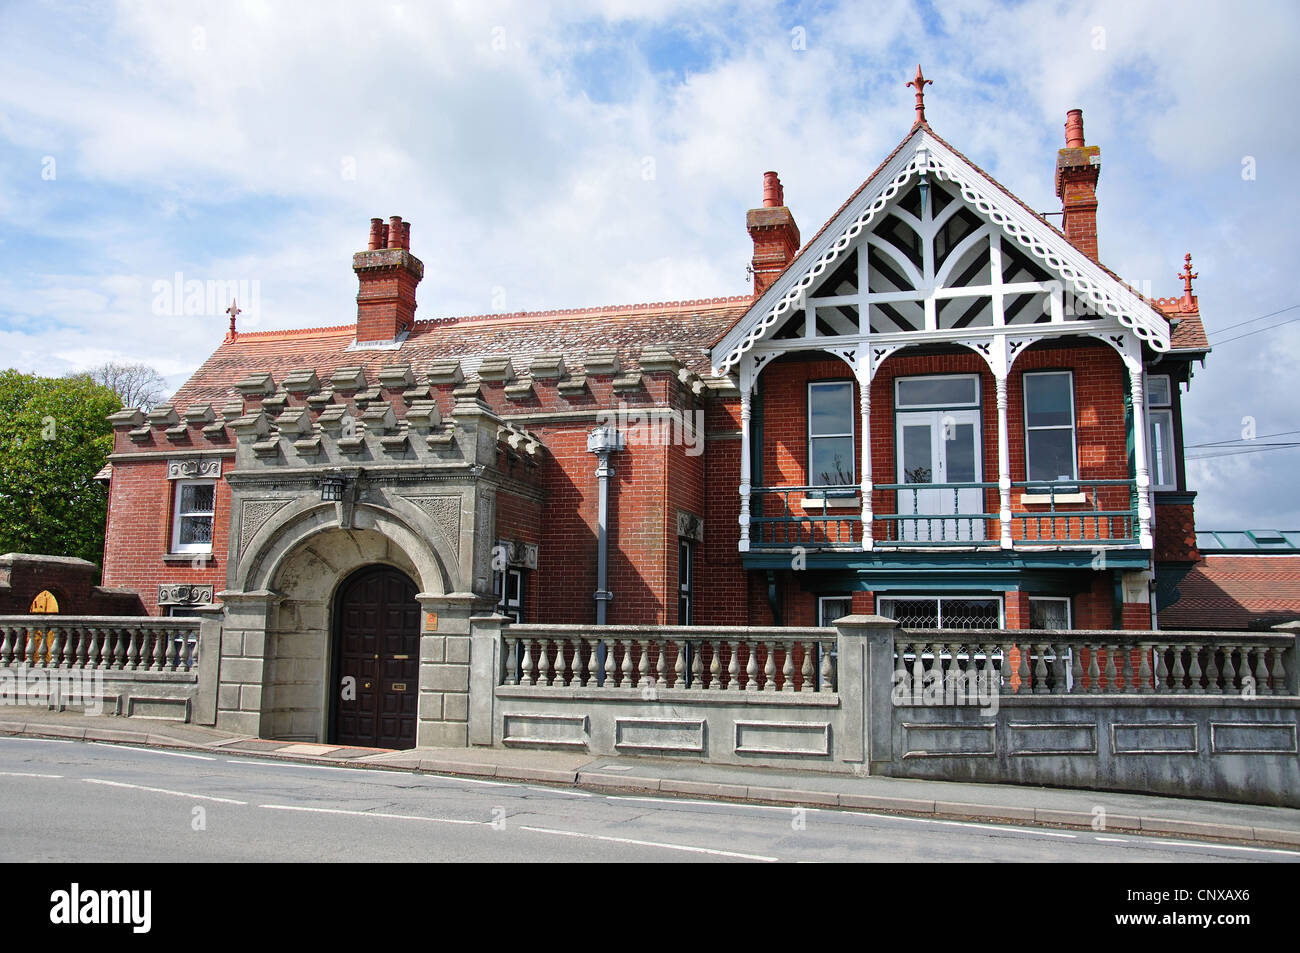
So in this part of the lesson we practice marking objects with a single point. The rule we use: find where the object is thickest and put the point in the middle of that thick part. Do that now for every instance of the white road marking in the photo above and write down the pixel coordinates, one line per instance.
(490, 784)
(650, 843)
(309, 767)
(560, 791)
(27, 774)
(1113, 840)
(140, 787)
(674, 800)
(44, 741)
(170, 754)
(392, 817)
(1254, 850)
(1005, 829)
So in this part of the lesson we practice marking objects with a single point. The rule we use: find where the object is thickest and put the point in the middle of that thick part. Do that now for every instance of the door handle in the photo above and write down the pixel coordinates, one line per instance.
(367, 684)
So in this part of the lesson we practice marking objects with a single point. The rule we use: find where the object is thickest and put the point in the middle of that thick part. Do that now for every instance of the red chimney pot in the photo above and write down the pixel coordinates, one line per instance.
(1074, 129)
(773, 192)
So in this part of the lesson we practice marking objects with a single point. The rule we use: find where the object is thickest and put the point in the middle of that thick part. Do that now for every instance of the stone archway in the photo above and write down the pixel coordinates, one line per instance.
(297, 694)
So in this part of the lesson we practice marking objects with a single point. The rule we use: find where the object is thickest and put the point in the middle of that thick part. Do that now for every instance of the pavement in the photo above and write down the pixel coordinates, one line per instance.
(1013, 804)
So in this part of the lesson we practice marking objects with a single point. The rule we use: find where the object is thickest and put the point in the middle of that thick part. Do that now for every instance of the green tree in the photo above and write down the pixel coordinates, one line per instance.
(54, 438)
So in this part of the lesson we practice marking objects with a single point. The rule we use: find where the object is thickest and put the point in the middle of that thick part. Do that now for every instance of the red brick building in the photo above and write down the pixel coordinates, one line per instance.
(941, 408)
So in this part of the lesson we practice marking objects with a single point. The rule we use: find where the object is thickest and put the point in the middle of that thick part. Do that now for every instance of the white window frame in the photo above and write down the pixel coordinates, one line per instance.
(512, 610)
(1069, 606)
(178, 492)
(821, 607)
(939, 600)
(899, 405)
(852, 435)
(1073, 426)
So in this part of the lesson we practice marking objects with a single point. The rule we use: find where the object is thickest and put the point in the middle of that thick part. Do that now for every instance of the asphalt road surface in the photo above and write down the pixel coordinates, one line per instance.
(74, 801)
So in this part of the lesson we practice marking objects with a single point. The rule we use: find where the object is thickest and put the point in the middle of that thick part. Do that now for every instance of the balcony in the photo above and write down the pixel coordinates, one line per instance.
(1080, 514)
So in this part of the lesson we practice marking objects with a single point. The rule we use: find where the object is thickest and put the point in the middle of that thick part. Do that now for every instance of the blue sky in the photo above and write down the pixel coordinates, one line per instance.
(595, 152)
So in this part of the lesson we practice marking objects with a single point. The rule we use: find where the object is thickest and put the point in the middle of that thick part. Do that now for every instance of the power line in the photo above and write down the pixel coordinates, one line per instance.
(1238, 451)
(1271, 327)
(1219, 443)
(1242, 324)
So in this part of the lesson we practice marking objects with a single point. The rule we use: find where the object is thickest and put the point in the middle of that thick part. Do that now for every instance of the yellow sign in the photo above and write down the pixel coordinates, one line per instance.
(431, 622)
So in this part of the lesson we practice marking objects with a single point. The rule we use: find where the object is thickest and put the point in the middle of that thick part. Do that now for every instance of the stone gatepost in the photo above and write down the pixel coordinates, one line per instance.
(866, 671)
(444, 698)
(485, 675)
(210, 629)
(242, 657)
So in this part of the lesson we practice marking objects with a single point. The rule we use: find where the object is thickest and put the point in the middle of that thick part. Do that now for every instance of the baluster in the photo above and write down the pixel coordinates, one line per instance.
(733, 667)
(591, 670)
(1261, 672)
(935, 674)
(661, 669)
(1060, 669)
(562, 663)
(1179, 673)
(918, 668)
(512, 661)
(1144, 668)
(679, 663)
(1162, 671)
(1076, 669)
(1040, 672)
(544, 662)
(626, 681)
(1212, 671)
(988, 673)
(1094, 670)
(1229, 670)
(8, 635)
(33, 642)
(751, 668)
(611, 679)
(1112, 676)
(55, 639)
(769, 666)
(1128, 671)
(715, 666)
(1194, 670)
(828, 668)
(787, 669)
(84, 644)
(94, 658)
(529, 674)
(162, 642)
(806, 669)
(1279, 684)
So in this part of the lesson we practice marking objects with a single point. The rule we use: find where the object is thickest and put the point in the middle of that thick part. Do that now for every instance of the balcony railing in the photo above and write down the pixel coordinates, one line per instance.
(1082, 513)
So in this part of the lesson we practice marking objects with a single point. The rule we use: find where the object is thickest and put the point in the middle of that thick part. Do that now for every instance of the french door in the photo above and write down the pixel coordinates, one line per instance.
(939, 447)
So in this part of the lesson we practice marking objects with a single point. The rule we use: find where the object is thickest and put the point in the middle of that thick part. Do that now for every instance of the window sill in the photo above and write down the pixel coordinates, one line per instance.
(1034, 499)
(832, 503)
(171, 558)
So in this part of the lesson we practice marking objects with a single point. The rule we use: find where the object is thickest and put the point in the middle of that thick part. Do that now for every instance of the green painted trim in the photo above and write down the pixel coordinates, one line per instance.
(1180, 497)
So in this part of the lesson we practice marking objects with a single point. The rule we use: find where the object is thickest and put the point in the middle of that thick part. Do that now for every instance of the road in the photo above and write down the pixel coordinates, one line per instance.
(74, 801)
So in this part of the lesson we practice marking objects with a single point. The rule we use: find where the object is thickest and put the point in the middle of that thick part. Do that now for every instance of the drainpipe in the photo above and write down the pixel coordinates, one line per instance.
(603, 441)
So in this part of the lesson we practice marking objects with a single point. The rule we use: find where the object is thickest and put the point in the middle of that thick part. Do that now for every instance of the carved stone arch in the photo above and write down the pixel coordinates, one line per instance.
(299, 522)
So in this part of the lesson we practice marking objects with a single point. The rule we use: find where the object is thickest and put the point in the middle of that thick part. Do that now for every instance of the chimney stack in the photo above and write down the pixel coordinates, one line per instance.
(775, 235)
(388, 274)
(1077, 168)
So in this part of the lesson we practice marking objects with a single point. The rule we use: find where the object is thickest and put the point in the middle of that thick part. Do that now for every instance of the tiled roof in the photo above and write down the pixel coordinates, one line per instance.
(1189, 334)
(683, 327)
(1237, 592)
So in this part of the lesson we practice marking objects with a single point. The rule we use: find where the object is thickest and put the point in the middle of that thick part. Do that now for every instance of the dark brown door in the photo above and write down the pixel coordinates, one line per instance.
(377, 660)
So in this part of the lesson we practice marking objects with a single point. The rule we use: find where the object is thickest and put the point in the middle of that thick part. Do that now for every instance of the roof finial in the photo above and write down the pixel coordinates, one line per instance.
(1189, 300)
(920, 82)
(234, 312)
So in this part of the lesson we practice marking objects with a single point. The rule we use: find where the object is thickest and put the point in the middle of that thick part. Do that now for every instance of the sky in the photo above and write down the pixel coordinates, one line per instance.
(598, 152)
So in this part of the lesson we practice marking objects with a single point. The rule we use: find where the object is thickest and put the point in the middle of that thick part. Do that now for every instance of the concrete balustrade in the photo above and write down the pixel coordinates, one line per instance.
(142, 666)
(1203, 714)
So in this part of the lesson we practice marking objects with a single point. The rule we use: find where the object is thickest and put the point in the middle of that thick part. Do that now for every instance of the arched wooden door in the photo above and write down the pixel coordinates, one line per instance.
(376, 659)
